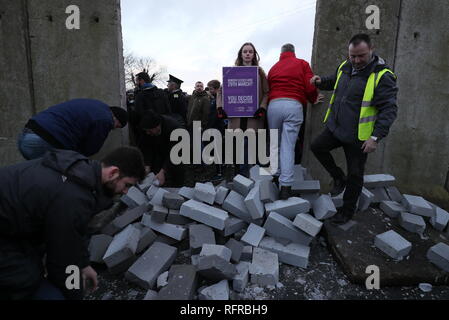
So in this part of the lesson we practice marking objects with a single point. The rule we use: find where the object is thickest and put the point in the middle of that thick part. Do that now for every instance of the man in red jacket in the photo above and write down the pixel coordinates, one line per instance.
(290, 89)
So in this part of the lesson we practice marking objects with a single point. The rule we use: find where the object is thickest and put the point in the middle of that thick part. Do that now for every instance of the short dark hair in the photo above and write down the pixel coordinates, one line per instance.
(214, 84)
(361, 37)
(144, 76)
(120, 114)
(128, 159)
(288, 47)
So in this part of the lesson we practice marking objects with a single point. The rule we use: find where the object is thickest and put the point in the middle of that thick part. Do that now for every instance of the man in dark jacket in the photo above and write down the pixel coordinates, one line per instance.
(81, 125)
(45, 207)
(150, 97)
(177, 99)
(156, 146)
(362, 110)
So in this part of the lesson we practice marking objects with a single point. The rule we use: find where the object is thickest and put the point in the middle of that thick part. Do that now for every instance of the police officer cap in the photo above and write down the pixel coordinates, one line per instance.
(174, 79)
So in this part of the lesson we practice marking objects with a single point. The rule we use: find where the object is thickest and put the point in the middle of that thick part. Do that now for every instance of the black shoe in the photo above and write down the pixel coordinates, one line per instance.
(276, 180)
(339, 186)
(341, 217)
(285, 193)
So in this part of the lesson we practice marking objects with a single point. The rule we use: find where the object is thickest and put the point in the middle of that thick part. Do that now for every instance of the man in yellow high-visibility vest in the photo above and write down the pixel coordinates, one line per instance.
(361, 112)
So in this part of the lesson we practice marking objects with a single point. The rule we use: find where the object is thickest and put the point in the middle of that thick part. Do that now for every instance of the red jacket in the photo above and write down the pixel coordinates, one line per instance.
(289, 78)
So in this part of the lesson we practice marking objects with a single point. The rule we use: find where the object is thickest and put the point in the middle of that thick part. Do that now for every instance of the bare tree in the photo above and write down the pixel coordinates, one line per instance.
(135, 64)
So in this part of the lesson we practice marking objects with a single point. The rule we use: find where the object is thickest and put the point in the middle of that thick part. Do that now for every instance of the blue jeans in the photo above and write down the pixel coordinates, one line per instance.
(31, 146)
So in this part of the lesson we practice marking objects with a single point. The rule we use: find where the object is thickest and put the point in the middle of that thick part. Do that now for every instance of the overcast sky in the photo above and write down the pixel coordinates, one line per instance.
(193, 40)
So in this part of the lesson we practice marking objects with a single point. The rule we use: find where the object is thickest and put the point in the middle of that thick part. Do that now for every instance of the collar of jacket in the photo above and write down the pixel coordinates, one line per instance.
(375, 65)
(287, 54)
(200, 94)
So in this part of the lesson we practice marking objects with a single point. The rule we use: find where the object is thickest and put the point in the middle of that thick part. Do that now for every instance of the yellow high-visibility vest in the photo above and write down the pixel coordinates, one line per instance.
(368, 113)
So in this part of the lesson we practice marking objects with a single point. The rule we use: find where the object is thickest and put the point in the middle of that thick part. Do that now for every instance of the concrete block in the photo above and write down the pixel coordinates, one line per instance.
(151, 295)
(122, 266)
(393, 244)
(253, 202)
(146, 238)
(439, 256)
(200, 234)
(380, 194)
(337, 200)
(280, 227)
(253, 235)
(159, 213)
(98, 245)
(134, 198)
(236, 247)
(294, 254)
(186, 192)
(440, 218)
(235, 204)
(147, 182)
(151, 191)
(394, 194)
(194, 258)
(233, 225)
(378, 180)
(174, 217)
(311, 197)
(268, 191)
(222, 193)
(182, 283)
(216, 250)
(172, 190)
(288, 208)
(215, 268)
(417, 205)
(157, 259)
(122, 247)
(162, 238)
(204, 213)
(257, 173)
(158, 196)
(218, 291)
(247, 253)
(162, 280)
(240, 280)
(392, 208)
(306, 186)
(204, 192)
(129, 216)
(172, 200)
(324, 208)
(299, 173)
(365, 199)
(264, 269)
(170, 230)
(308, 224)
(242, 185)
(412, 222)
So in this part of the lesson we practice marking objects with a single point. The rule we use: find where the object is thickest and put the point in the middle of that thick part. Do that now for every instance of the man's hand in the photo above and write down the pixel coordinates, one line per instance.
(369, 146)
(315, 80)
(89, 277)
(221, 114)
(260, 113)
(319, 98)
(161, 177)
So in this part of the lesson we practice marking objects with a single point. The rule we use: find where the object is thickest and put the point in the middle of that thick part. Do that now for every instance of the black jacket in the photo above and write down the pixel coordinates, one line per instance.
(151, 98)
(344, 117)
(178, 104)
(48, 202)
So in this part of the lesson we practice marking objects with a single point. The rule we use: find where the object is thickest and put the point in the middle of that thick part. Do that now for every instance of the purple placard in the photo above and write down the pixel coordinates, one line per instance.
(240, 87)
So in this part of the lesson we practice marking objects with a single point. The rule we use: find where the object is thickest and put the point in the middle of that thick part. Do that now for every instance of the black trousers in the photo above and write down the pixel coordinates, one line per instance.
(355, 163)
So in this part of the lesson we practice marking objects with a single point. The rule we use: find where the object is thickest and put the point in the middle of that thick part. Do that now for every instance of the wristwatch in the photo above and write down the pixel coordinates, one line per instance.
(375, 138)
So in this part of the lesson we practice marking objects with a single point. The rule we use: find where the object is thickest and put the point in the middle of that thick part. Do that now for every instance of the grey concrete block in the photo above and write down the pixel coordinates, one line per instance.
(157, 259)
(147, 182)
(216, 250)
(417, 205)
(162, 280)
(170, 230)
(264, 269)
(253, 202)
(393, 244)
(280, 227)
(134, 198)
(233, 225)
(130, 216)
(222, 193)
(412, 222)
(200, 234)
(253, 235)
(268, 191)
(306, 186)
(158, 196)
(440, 218)
(392, 208)
(247, 253)
(122, 247)
(257, 173)
(308, 224)
(380, 194)
(215, 268)
(146, 238)
(299, 173)
(236, 247)
(337, 200)
(182, 283)
(162, 238)
(365, 199)
(324, 208)
(439, 256)
(151, 191)
(122, 266)
(394, 194)
(195, 259)
(294, 254)
(378, 180)
(311, 197)
(187, 192)
(159, 213)
(242, 185)
(98, 245)
(204, 192)
(288, 208)
(151, 295)
(172, 200)
(204, 213)
(175, 217)
(235, 204)
(218, 291)
(241, 279)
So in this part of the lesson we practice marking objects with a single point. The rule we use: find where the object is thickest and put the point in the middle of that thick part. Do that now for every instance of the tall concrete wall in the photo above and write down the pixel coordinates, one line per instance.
(43, 63)
(413, 38)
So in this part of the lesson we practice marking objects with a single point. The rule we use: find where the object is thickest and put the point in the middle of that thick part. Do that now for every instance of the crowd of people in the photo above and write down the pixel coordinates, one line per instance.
(47, 202)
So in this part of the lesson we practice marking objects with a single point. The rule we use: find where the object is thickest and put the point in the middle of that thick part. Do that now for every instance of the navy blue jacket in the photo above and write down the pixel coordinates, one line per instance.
(81, 125)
